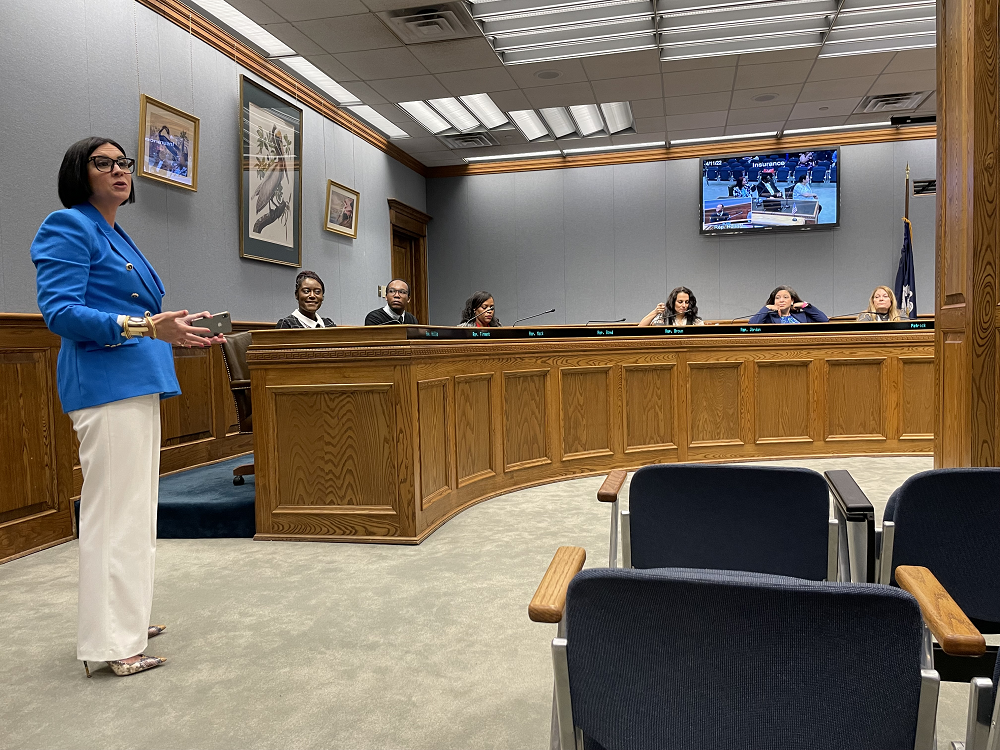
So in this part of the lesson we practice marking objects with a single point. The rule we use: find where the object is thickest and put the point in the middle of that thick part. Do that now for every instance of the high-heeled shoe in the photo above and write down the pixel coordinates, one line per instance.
(122, 668)
(155, 630)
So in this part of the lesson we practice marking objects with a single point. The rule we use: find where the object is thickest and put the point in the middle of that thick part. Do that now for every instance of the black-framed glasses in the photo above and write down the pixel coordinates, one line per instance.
(396, 293)
(106, 163)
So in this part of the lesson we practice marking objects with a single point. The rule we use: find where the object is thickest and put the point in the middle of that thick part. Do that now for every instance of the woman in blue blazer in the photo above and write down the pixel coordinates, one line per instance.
(101, 295)
(785, 306)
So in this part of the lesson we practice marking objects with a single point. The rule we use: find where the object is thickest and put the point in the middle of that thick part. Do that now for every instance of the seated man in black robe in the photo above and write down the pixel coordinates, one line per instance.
(397, 295)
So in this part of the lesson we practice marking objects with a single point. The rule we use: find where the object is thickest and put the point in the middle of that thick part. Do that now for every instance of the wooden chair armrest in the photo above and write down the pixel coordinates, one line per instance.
(612, 486)
(946, 620)
(550, 597)
(236, 385)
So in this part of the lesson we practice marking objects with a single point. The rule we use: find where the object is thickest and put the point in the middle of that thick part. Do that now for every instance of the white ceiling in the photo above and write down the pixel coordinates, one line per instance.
(694, 98)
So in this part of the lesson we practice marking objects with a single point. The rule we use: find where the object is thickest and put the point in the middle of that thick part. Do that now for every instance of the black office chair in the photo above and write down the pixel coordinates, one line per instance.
(682, 658)
(754, 518)
(234, 354)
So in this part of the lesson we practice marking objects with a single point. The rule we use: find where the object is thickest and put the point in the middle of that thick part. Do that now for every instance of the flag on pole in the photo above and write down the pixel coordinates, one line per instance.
(906, 282)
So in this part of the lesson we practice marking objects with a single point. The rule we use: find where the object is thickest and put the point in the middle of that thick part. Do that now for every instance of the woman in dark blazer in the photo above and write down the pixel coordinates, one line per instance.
(309, 291)
(101, 295)
(785, 306)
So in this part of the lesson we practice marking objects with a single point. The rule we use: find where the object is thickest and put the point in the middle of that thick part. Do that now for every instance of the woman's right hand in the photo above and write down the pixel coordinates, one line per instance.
(174, 327)
(773, 308)
(660, 308)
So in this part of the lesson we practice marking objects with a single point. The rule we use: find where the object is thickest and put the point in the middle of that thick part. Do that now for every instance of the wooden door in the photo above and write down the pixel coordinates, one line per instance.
(409, 254)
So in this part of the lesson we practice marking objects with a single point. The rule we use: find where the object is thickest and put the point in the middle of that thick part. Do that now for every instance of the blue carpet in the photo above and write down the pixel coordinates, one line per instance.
(204, 503)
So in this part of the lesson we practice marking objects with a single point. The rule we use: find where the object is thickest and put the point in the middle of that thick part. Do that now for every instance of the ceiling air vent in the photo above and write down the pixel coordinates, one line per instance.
(892, 102)
(469, 140)
(430, 23)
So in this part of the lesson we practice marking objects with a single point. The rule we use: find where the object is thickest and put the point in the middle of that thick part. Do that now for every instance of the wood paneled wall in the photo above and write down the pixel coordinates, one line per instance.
(38, 448)
(966, 295)
(363, 435)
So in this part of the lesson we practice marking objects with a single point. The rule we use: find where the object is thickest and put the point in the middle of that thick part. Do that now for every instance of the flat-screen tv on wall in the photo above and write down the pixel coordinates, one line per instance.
(772, 191)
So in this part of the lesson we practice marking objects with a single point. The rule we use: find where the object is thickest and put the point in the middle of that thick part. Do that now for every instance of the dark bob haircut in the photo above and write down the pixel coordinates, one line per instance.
(303, 275)
(74, 180)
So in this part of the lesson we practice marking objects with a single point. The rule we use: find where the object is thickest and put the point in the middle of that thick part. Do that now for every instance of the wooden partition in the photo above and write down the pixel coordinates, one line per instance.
(363, 434)
(38, 448)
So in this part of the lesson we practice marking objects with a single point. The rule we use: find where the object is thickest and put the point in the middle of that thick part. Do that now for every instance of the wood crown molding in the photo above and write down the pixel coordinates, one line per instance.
(408, 211)
(697, 150)
(203, 29)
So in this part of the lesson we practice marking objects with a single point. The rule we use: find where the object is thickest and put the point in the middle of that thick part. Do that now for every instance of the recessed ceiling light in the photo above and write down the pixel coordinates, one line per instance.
(618, 116)
(765, 97)
(320, 79)
(628, 147)
(548, 75)
(422, 113)
(588, 119)
(529, 123)
(485, 109)
(769, 134)
(373, 118)
(559, 121)
(241, 24)
(453, 111)
(505, 157)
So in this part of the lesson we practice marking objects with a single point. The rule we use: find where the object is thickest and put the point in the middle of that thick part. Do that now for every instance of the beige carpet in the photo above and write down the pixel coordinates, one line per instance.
(299, 645)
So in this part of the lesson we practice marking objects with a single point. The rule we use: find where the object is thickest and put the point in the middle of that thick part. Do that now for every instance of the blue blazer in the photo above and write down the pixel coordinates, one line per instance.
(811, 314)
(88, 274)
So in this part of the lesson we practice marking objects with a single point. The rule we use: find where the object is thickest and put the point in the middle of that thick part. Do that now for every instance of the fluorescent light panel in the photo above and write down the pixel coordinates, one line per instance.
(856, 126)
(559, 121)
(321, 80)
(485, 109)
(872, 46)
(505, 157)
(426, 116)
(571, 51)
(453, 111)
(529, 124)
(629, 147)
(588, 119)
(374, 119)
(618, 116)
(245, 27)
(770, 134)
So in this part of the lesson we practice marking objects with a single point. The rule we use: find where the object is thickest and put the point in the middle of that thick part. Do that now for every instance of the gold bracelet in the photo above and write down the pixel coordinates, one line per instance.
(136, 327)
(152, 326)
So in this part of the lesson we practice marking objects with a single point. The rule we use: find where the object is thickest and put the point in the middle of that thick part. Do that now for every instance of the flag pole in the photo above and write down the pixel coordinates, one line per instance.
(906, 206)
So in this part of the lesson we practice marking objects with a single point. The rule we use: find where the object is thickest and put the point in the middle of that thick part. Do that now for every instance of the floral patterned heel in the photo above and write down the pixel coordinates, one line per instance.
(122, 668)
(155, 630)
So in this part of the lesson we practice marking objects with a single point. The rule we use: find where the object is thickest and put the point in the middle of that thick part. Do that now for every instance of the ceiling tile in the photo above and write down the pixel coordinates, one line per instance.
(304, 10)
(329, 65)
(381, 63)
(754, 127)
(930, 104)
(895, 83)
(447, 159)
(349, 33)
(508, 137)
(781, 55)
(642, 63)
(591, 142)
(561, 96)
(683, 105)
(421, 143)
(816, 122)
(537, 74)
(364, 92)
(627, 89)
(913, 59)
(294, 38)
(759, 114)
(625, 140)
(412, 129)
(647, 107)
(698, 82)
(852, 66)
(257, 11)
(650, 124)
(699, 63)
(699, 133)
(410, 88)
(766, 97)
(771, 74)
(459, 54)
(870, 117)
(377, 6)
(840, 88)
(827, 108)
(509, 101)
(700, 120)
(477, 81)
(394, 114)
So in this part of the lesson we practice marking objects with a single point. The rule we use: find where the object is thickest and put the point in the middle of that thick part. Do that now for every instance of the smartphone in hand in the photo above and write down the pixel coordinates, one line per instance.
(218, 323)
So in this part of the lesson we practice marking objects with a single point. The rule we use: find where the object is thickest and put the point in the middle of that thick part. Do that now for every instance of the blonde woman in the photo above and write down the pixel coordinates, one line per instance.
(881, 307)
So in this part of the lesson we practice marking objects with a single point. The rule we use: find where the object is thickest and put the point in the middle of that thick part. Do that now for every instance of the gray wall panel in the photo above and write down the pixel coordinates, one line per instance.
(449, 283)
(493, 247)
(77, 88)
(656, 244)
(541, 246)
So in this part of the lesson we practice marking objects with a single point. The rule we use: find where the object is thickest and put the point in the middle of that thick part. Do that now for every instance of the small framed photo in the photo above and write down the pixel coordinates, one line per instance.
(168, 144)
(341, 209)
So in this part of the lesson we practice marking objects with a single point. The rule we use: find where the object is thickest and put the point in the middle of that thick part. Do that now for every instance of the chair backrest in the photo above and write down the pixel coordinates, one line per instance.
(782, 174)
(234, 353)
(833, 173)
(754, 518)
(720, 659)
(799, 171)
(948, 520)
(725, 173)
(818, 174)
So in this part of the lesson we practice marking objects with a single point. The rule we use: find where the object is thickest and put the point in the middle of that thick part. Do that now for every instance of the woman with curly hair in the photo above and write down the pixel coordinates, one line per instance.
(680, 309)
(479, 312)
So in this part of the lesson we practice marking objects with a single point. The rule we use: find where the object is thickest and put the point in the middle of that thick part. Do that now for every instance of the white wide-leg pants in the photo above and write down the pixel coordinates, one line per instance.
(120, 458)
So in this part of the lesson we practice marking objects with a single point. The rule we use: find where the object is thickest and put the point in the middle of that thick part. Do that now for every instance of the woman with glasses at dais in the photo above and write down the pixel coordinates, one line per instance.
(680, 309)
(309, 291)
(479, 312)
(99, 293)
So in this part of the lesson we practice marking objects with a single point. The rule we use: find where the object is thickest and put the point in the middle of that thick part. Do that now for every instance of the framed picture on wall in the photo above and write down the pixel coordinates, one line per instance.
(341, 209)
(168, 144)
(270, 176)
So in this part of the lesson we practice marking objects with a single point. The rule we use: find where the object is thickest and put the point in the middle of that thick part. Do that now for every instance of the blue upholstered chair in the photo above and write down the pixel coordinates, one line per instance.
(687, 658)
(753, 518)
(725, 174)
(782, 174)
(818, 174)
